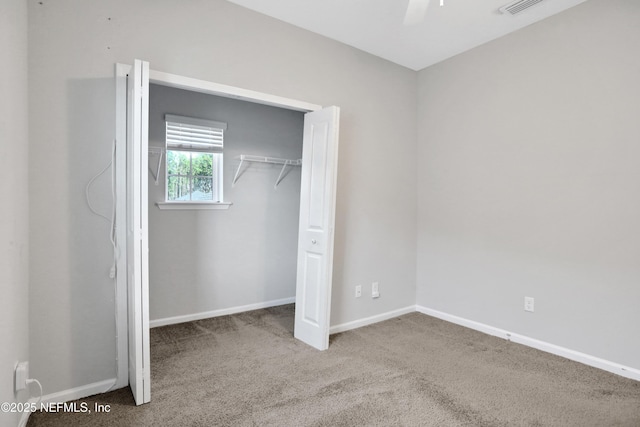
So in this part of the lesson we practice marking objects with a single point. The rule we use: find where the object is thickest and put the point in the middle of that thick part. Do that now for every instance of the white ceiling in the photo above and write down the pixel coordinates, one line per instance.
(376, 26)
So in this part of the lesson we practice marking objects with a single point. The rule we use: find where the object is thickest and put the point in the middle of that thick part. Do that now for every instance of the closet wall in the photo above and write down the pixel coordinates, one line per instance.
(203, 261)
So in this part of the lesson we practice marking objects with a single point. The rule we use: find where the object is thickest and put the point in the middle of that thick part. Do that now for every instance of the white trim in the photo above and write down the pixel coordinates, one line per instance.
(576, 356)
(122, 331)
(481, 327)
(80, 392)
(24, 419)
(72, 394)
(203, 86)
(220, 312)
(371, 320)
(192, 205)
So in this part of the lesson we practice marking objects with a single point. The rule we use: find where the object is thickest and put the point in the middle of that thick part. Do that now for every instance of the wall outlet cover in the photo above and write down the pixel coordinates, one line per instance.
(22, 374)
(528, 304)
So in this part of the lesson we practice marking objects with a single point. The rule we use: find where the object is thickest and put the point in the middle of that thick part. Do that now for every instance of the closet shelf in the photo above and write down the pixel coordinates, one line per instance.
(272, 160)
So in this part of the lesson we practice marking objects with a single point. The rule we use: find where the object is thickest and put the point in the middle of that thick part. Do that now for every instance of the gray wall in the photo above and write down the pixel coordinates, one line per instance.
(201, 261)
(529, 180)
(73, 45)
(14, 179)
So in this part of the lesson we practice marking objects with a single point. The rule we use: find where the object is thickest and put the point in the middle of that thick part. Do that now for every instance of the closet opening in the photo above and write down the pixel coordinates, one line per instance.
(207, 262)
(316, 217)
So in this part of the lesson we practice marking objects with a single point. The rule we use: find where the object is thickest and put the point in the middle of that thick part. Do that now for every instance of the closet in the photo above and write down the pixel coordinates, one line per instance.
(204, 263)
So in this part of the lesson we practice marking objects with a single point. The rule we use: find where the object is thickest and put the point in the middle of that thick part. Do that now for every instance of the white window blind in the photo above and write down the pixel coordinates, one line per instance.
(191, 134)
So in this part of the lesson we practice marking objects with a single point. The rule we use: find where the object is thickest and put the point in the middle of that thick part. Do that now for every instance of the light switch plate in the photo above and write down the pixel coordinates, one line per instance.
(375, 291)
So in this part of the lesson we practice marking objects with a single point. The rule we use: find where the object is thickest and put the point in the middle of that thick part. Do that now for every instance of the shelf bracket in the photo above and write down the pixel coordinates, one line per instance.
(159, 152)
(235, 178)
(280, 177)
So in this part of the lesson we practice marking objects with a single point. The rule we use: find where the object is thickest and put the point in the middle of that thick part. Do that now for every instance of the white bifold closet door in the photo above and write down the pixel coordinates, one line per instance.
(138, 231)
(317, 218)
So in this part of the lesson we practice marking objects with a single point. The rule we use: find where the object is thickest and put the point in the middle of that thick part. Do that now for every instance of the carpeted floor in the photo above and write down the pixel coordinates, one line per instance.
(248, 370)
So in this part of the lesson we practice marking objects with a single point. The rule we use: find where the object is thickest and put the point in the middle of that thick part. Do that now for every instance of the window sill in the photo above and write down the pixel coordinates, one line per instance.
(193, 205)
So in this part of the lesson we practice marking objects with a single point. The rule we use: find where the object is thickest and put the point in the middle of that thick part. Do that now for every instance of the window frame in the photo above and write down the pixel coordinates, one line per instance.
(215, 148)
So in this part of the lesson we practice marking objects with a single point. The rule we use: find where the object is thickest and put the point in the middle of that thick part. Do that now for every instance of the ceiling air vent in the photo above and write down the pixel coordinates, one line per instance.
(519, 6)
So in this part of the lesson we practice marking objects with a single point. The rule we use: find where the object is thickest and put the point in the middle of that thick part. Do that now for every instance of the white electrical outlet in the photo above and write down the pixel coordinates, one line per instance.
(528, 304)
(375, 291)
(22, 374)
(358, 291)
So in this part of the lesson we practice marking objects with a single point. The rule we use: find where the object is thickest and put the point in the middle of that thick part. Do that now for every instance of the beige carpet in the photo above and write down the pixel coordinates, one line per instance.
(247, 370)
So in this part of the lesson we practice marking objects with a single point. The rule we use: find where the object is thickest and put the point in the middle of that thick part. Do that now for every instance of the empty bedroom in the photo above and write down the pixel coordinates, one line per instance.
(320, 213)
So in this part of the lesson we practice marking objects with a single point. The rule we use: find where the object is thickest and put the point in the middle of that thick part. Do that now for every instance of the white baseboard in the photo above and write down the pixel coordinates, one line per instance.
(576, 356)
(371, 320)
(80, 392)
(24, 419)
(71, 394)
(222, 312)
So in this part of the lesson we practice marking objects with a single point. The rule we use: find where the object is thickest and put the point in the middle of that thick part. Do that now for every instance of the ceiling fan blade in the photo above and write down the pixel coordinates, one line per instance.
(416, 11)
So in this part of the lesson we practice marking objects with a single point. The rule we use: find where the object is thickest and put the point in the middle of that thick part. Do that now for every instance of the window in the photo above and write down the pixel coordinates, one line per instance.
(194, 159)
